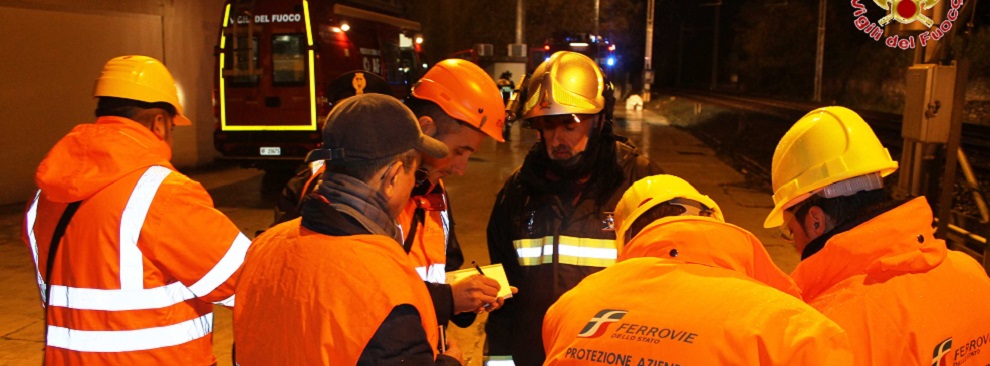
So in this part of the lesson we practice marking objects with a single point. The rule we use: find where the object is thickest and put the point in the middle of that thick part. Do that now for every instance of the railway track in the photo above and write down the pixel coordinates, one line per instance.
(759, 123)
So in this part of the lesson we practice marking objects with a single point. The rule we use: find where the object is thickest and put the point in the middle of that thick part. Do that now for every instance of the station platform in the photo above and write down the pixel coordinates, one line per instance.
(472, 197)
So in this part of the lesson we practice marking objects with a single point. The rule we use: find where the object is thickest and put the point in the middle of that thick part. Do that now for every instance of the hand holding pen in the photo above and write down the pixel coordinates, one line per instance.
(475, 293)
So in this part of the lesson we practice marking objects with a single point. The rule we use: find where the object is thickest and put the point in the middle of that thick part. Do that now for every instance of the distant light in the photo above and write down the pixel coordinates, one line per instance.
(344, 26)
(335, 29)
(419, 39)
(592, 38)
(579, 44)
(424, 66)
(546, 47)
(547, 59)
(611, 48)
(611, 61)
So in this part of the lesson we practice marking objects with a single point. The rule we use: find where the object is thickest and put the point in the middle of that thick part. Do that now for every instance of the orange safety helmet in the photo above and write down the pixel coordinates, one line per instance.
(466, 93)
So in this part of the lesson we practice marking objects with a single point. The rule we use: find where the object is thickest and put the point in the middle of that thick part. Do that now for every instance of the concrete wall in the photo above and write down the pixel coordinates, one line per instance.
(53, 51)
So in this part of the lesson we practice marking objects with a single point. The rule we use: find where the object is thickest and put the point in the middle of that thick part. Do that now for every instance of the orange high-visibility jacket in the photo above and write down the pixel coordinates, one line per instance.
(429, 247)
(306, 298)
(690, 291)
(143, 259)
(901, 295)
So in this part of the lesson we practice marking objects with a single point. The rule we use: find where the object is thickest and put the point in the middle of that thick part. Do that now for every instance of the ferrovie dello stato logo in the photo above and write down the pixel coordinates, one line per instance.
(599, 323)
(904, 12)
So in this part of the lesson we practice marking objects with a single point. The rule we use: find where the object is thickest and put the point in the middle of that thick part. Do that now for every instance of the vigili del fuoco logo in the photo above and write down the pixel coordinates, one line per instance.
(905, 12)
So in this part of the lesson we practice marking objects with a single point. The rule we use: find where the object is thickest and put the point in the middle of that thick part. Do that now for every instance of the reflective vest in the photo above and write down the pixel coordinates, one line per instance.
(142, 261)
(901, 295)
(127, 287)
(310, 299)
(699, 306)
(429, 247)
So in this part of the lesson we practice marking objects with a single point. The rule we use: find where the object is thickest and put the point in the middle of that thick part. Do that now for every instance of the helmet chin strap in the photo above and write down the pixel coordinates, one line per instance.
(568, 163)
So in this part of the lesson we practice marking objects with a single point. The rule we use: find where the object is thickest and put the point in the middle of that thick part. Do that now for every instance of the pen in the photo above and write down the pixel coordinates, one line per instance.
(477, 268)
(443, 339)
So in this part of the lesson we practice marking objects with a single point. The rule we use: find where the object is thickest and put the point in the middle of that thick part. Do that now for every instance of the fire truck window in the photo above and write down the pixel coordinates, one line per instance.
(238, 67)
(288, 63)
(395, 72)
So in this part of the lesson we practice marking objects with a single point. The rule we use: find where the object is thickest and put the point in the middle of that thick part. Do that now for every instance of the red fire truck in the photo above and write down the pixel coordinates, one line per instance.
(598, 48)
(276, 57)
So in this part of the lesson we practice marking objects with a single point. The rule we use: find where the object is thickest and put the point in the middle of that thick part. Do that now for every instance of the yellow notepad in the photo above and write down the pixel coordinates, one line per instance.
(495, 271)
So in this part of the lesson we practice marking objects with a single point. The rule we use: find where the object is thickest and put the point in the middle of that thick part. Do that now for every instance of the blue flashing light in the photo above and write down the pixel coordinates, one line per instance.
(611, 61)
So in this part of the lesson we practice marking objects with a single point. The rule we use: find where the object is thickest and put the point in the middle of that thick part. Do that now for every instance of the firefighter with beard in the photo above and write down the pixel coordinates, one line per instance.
(552, 221)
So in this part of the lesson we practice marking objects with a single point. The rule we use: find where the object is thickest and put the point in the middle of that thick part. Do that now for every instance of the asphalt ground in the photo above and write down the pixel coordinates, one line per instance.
(246, 196)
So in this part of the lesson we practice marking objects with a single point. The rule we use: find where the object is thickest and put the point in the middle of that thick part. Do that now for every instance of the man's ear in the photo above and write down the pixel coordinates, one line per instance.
(160, 126)
(390, 176)
(816, 222)
(428, 125)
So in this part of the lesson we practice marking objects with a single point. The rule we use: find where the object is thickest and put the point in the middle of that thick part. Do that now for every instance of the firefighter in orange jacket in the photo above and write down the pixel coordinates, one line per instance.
(688, 289)
(871, 264)
(143, 255)
(335, 286)
(457, 103)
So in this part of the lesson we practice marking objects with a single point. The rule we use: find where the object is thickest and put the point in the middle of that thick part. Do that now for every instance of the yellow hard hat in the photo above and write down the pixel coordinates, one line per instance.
(465, 92)
(140, 78)
(826, 146)
(651, 191)
(566, 83)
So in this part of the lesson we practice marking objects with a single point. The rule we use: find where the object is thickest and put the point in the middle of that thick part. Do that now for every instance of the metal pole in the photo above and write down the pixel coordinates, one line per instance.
(718, 7)
(974, 185)
(955, 132)
(520, 20)
(596, 17)
(680, 54)
(820, 52)
(648, 58)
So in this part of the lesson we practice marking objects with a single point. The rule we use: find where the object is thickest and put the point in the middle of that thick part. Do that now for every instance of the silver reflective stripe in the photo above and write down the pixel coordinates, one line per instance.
(228, 302)
(445, 221)
(535, 252)
(571, 250)
(499, 361)
(315, 166)
(131, 222)
(130, 340)
(32, 215)
(222, 271)
(435, 273)
(119, 300)
(577, 251)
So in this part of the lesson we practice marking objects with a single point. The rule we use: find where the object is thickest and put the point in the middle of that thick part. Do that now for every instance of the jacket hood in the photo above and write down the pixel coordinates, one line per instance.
(897, 242)
(709, 242)
(94, 155)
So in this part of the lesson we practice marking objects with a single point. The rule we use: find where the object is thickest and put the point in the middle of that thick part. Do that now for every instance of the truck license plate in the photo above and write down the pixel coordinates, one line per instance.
(271, 151)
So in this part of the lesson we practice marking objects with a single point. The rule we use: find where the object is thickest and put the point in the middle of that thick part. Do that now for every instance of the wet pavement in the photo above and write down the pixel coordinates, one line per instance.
(247, 195)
